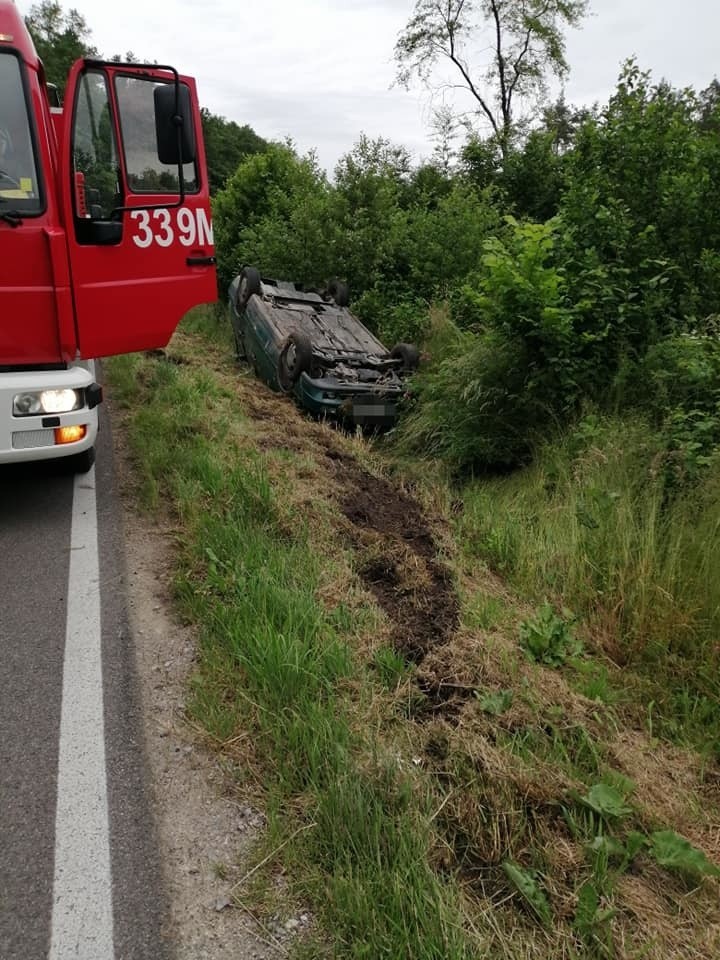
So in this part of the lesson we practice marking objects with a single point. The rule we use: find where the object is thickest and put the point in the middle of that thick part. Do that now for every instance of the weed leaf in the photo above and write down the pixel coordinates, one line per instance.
(608, 846)
(673, 851)
(606, 800)
(495, 703)
(527, 886)
(587, 906)
(547, 638)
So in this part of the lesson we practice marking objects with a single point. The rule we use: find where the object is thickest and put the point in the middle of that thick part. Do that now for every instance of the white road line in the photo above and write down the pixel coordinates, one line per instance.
(82, 921)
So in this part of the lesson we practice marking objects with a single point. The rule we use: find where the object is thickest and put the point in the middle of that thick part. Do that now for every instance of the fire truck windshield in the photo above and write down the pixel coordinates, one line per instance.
(19, 182)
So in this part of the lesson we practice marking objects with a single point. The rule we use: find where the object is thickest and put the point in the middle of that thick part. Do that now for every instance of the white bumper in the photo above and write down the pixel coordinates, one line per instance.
(33, 438)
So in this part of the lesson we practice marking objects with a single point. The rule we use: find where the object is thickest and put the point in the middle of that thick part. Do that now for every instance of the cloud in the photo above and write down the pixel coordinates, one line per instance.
(321, 71)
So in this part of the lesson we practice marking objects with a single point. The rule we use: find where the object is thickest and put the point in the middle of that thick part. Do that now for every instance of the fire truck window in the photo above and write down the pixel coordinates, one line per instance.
(19, 183)
(95, 157)
(145, 173)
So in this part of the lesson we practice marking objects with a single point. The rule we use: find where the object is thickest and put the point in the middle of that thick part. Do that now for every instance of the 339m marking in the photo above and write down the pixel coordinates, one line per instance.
(165, 227)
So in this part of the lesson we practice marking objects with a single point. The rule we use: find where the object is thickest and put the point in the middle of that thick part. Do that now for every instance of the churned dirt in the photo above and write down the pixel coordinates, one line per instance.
(400, 564)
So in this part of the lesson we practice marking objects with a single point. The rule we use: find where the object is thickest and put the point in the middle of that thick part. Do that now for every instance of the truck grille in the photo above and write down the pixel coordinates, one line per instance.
(29, 439)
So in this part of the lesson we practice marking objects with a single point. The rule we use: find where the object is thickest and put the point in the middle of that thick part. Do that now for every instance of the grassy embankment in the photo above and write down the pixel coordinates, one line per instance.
(451, 768)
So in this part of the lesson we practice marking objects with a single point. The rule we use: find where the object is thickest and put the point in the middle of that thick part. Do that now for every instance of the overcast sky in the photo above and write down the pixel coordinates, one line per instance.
(321, 71)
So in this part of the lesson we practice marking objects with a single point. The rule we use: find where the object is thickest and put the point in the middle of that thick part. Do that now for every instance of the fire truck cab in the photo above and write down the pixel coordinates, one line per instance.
(105, 234)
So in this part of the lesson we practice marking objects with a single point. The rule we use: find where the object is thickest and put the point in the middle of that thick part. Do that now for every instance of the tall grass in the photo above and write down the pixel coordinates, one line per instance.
(593, 523)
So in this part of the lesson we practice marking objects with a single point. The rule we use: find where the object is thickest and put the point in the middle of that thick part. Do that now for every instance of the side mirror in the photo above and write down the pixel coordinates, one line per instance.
(171, 116)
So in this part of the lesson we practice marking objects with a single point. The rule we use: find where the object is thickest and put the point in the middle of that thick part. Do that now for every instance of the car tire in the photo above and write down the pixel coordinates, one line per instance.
(250, 284)
(340, 292)
(294, 359)
(409, 354)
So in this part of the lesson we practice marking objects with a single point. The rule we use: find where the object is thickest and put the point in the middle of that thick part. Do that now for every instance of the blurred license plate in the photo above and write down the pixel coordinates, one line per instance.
(373, 410)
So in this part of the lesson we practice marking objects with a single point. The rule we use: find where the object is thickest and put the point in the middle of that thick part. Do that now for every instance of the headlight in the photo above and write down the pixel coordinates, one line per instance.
(48, 401)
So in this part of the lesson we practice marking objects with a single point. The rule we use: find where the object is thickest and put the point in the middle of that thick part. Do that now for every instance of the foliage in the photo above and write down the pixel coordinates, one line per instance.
(590, 916)
(471, 406)
(606, 800)
(548, 638)
(524, 43)
(526, 884)
(60, 39)
(495, 703)
(400, 240)
(640, 195)
(518, 364)
(673, 851)
(273, 214)
(592, 523)
(226, 145)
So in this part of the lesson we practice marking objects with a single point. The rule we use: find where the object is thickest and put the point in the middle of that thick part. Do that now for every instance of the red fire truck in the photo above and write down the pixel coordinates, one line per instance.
(105, 234)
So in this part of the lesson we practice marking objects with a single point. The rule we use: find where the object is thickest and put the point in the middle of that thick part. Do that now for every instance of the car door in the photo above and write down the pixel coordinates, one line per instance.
(140, 241)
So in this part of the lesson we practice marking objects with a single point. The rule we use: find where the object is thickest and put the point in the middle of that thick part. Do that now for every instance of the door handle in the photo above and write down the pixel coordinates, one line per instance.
(201, 261)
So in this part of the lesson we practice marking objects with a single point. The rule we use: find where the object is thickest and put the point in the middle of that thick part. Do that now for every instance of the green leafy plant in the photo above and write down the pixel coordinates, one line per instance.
(495, 703)
(591, 919)
(671, 850)
(526, 884)
(606, 801)
(548, 638)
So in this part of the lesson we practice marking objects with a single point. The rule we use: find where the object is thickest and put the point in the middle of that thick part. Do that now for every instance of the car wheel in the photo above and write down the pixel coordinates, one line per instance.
(250, 283)
(295, 358)
(340, 292)
(409, 354)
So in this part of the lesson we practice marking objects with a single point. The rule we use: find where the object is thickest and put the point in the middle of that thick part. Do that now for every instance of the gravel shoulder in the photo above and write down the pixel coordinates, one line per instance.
(204, 833)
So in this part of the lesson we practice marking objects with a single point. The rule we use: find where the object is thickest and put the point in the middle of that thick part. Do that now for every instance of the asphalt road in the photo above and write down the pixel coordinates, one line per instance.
(79, 875)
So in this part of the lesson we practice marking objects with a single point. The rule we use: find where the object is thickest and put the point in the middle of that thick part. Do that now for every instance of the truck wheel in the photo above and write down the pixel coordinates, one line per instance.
(340, 292)
(249, 284)
(295, 358)
(81, 462)
(409, 354)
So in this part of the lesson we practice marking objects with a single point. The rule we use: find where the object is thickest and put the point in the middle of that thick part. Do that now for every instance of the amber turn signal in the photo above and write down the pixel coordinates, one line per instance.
(70, 434)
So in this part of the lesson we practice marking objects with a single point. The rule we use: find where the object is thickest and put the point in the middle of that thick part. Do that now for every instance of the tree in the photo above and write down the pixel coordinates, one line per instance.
(271, 214)
(523, 42)
(226, 145)
(60, 39)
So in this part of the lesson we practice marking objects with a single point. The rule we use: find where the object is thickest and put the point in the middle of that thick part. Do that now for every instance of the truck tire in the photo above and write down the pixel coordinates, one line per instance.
(81, 462)
(409, 354)
(340, 292)
(294, 359)
(250, 284)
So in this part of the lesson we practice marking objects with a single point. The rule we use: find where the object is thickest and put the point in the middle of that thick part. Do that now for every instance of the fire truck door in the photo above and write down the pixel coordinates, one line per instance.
(140, 241)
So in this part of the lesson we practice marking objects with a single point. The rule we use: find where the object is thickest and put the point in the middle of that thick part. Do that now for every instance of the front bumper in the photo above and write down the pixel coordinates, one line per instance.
(33, 438)
(358, 405)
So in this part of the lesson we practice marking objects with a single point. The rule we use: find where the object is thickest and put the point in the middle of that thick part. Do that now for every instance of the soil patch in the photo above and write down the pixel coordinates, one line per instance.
(399, 564)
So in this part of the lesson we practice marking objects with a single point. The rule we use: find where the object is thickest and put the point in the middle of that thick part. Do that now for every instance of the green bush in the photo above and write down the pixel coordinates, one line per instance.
(473, 406)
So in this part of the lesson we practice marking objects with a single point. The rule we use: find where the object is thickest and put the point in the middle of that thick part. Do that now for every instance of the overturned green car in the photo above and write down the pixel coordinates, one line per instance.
(310, 345)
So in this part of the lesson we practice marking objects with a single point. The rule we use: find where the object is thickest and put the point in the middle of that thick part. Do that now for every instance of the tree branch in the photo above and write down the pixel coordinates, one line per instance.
(504, 105)
(523, 52)
(451, 24)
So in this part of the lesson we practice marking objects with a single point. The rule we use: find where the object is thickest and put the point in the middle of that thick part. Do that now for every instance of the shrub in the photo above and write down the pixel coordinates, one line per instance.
(473, 406)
